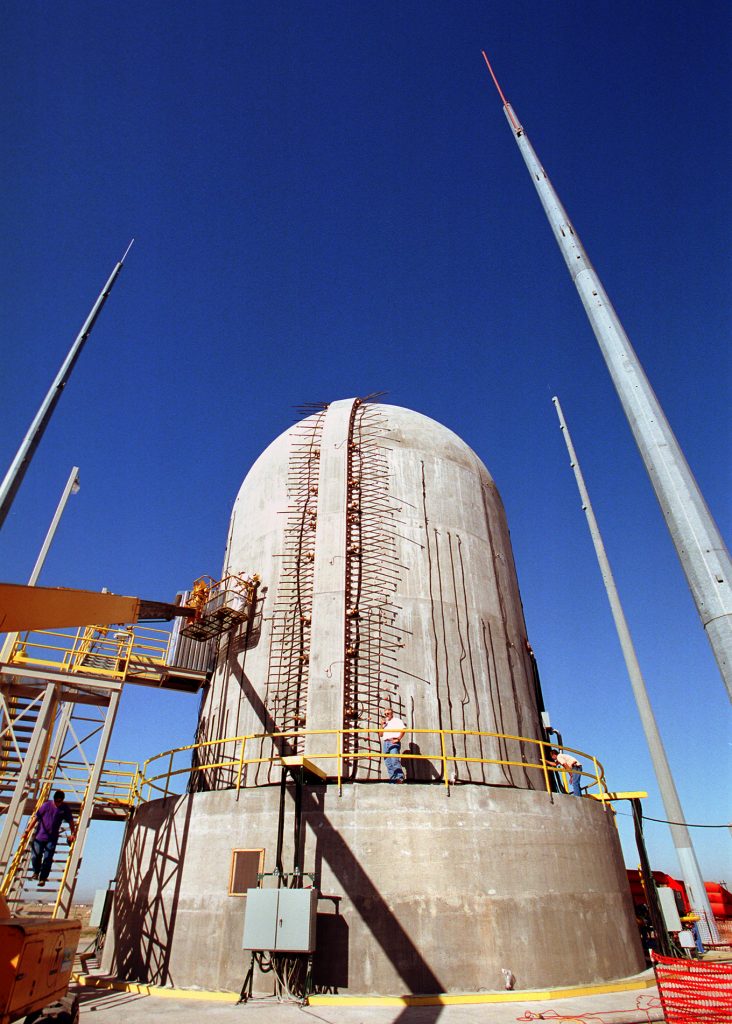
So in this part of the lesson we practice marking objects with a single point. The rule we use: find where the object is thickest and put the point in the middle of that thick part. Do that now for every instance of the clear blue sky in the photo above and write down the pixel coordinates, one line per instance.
(327, 202)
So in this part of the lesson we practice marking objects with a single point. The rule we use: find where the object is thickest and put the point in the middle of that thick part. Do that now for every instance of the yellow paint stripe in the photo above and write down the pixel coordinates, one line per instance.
(637, 795)
(463, 998)
(153, 990)
(445, 999)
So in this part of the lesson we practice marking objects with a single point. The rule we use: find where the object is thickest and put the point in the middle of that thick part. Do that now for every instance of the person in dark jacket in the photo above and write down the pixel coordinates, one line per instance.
(48, 820)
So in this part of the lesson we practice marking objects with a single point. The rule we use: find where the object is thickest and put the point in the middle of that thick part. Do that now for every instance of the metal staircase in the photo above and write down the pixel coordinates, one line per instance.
(59, 694)
(59, 691)
(22, 892)
(54, 736)
(18, 717)
(111, 798)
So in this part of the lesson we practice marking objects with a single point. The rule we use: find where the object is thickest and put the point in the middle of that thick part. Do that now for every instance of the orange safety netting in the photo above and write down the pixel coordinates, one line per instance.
(694, 991)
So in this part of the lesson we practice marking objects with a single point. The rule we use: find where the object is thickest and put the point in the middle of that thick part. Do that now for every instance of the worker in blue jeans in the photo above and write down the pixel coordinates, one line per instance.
(393, 729)
(48, 820)
(568, 763)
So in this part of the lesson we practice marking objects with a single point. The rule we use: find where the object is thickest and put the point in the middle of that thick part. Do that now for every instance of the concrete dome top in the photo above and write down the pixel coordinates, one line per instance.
(405, 427)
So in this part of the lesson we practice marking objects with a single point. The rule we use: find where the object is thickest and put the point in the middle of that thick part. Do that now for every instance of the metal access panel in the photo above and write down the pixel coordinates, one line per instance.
(669, 909)
(280, 920)
(296, 920)
(260, 919)
(100, 908)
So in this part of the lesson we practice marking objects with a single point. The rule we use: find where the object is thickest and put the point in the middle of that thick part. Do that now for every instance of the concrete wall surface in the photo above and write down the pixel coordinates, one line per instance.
(422, 892)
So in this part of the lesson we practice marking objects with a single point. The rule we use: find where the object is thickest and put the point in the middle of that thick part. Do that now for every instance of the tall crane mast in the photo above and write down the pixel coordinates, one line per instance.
(703, 554)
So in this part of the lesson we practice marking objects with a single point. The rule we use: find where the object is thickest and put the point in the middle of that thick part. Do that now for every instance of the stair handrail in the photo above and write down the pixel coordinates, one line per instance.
(23, 844)
(72, 842)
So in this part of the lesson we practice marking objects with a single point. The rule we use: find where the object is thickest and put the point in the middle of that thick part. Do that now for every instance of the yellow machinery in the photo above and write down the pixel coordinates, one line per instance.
(23, 607)
(35, 964)
(214, 606)
(219, 605)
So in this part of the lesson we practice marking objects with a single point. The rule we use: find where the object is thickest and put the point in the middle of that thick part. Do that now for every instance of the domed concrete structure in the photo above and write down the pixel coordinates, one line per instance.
(386, 576)
(379, 531)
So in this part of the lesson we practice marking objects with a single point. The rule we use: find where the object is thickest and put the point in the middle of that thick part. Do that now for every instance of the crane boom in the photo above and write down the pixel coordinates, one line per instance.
(30, 608)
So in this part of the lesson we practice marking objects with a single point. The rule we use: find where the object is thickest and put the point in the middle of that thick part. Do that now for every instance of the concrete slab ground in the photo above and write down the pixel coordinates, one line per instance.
(632, 1006)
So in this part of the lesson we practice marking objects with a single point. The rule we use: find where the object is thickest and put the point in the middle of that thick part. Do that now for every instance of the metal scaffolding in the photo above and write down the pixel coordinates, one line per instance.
(59, 696)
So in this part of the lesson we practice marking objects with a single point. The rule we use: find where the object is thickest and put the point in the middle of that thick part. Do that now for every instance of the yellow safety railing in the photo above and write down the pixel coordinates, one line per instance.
(102, 650)
(229, 754)
(117, 784)
(110, 651)
(149, 646)
(208, 593)
(67, 863)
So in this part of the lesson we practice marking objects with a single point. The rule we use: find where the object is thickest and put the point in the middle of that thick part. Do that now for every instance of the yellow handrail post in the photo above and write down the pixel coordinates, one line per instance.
(600, 786)
(546, 770)
(65, 872)
(444, 761)
(166, 652)
(339, 751)
(75, 649)
(125, 653)
(170, 772)
(241, 766)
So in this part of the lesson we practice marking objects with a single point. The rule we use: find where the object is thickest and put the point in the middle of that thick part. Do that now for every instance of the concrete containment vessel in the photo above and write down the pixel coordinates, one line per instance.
(386, 577)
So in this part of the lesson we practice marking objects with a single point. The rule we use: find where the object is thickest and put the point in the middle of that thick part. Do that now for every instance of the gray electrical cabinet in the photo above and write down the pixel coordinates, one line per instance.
(100, 908)
(280, 920)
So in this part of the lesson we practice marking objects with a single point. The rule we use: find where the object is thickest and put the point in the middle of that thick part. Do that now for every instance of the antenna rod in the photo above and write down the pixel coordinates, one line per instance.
(679, 832)
(14, 476)
(699, 544)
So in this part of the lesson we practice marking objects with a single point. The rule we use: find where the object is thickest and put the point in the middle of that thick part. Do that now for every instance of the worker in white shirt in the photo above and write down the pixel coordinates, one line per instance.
(393, 728)
(570, 764)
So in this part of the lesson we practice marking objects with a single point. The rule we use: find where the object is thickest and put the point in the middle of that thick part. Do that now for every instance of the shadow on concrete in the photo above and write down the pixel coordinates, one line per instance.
(412, 968)
(282, 745)
(331, 933)
(146, 898)
(92, 999)
(419, 770)
(418, 1015)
